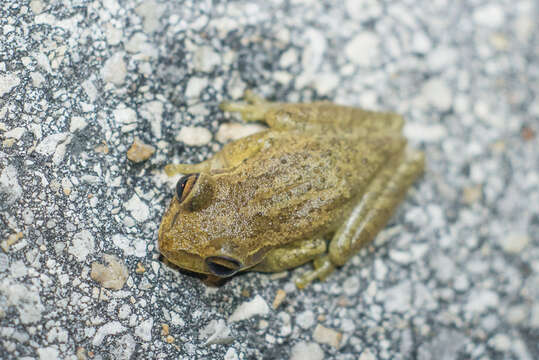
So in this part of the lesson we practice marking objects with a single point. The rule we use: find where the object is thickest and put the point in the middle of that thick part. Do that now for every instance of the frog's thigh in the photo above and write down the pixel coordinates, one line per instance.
(374, 210)
(292, 255)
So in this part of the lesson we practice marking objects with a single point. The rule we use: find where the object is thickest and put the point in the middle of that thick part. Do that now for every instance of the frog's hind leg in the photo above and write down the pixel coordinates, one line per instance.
(376, 206)
(372, 213)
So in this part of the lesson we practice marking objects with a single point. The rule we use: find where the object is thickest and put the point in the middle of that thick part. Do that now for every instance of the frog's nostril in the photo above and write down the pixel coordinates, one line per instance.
(222, 265)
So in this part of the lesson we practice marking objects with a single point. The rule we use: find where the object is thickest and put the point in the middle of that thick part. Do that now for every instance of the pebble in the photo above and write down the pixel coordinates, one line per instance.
(115, 70)
(216, 332)
(144, 330)
(205, 59)
(111, 328)
(195, 87)
(324, 335)
(138, 209)
(113, 275)
(280, 295)
(490, 15)
(514, 243)
(77, 123)
(438, 94)
(363, 49)
(139, 151)
(231, 354)
(305, 319)
(8, 82)
(247, 310)
(306, 351)
(83, 245)
(9, 186)
(194, 136)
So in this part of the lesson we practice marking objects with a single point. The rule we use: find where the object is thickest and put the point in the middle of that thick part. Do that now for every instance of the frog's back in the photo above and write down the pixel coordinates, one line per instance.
(302, 185)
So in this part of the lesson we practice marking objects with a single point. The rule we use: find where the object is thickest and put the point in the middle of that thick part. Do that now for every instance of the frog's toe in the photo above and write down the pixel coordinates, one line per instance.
(249, 112)
(253, 98)
(323, 267)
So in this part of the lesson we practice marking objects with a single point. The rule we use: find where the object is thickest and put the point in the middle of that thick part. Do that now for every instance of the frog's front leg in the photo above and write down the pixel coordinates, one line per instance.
(292, 255)
(370, 215)
(255, 108)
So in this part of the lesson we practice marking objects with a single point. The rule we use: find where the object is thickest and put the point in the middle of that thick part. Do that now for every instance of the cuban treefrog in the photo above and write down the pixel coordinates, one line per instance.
(318, 184)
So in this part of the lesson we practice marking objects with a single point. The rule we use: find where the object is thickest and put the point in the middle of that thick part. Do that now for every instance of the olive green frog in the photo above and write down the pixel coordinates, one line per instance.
(317, 185)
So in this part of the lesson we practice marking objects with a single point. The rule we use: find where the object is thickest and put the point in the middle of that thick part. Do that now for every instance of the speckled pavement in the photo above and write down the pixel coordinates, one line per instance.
(453, 276)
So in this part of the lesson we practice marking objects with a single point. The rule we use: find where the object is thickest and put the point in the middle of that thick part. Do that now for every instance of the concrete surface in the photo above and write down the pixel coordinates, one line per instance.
(455, 274)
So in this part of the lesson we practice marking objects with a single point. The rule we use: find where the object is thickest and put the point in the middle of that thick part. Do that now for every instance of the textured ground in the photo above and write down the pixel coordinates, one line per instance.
(455, 274)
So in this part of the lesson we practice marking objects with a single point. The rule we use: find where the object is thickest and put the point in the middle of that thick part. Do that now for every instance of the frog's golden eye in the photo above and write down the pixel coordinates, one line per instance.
(185, 185)
(223, 266)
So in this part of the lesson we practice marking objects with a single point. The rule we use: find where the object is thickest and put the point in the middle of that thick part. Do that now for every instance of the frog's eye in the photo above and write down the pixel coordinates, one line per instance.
(223, 266)
(185, 185)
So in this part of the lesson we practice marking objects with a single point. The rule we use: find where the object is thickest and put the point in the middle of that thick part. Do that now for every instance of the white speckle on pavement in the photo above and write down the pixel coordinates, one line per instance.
(247, 310)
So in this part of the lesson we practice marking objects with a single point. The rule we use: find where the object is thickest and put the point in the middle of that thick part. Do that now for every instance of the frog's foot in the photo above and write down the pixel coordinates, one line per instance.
(254, 109)
(323, 267)
(175, 169)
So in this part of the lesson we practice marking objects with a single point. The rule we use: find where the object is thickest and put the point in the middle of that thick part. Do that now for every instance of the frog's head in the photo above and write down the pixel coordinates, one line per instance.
(206, 228)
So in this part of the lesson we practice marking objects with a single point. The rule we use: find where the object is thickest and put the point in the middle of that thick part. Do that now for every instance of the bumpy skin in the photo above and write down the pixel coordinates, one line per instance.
(319, 184)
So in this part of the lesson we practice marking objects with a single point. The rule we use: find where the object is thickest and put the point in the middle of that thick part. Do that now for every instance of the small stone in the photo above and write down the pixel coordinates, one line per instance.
(115, 70)
(257, 306)
(83, 244)
(306, 351)
(144, 330)
(234, 131)
(113, 275)
(10, 190)
(216, 332)
(324, 335)
(77, 123)
(491, 15)
(139, 210)
(140, 151)
(423, 132)
(363, 49)
(279, 298)
(500, 342)
(15, 133)
(11, 240)
(305, 319)
(231, 354)
(194, 136)
(140, 268)
(153, 112)
(437, 93)
(195, 87)
(351, 285)
(48, 353)
(8, 82)
(124, 115)
(480, 300)
(367, 355)
(49, 144)
(514, 243)
(472, 194)
(205, 59)
(111, 328)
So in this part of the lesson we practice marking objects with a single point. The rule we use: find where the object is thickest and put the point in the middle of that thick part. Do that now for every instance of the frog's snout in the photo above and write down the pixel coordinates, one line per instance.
(223, 266)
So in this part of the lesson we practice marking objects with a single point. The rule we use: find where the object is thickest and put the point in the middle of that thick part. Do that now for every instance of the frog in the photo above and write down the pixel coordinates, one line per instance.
(317, 185)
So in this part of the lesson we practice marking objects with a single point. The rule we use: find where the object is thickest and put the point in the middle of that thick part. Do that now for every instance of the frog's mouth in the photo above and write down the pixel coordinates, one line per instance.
(223, 266)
